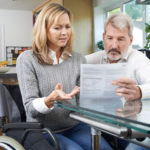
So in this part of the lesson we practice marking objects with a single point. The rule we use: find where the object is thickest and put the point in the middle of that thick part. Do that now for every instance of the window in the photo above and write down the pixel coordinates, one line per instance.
(148, 14)
(114, 11)
(136, 13)
(133, 10)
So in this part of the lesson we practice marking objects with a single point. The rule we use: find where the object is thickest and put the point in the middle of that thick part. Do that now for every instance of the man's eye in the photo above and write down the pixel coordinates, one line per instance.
(121, 39)
(109, 38)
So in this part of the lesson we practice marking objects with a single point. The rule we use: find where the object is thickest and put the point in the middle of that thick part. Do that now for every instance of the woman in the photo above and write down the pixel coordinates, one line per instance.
(44, 70)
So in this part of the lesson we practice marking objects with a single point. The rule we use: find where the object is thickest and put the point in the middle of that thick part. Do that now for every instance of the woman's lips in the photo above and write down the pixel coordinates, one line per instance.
(63, 39)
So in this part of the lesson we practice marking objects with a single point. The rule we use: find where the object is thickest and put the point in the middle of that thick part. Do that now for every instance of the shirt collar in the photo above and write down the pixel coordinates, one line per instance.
(53, 56)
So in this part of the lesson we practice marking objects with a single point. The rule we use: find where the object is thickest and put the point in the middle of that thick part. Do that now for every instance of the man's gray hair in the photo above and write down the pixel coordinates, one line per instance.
(120, 20)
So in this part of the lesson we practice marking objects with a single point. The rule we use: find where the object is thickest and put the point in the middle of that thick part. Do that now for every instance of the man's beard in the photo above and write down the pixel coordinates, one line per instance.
(114, 57)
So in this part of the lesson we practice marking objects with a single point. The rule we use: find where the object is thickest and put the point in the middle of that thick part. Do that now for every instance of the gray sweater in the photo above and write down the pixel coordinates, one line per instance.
(36, 80)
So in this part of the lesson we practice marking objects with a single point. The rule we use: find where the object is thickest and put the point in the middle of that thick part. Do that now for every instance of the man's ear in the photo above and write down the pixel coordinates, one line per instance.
(131, 39)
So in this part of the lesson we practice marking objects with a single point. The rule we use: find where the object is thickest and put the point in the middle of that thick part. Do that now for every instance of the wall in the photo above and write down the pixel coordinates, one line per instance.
(2, 43)
(82, 24)
(17, 26)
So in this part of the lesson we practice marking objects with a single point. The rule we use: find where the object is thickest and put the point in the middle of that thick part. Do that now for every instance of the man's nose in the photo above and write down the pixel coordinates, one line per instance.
(115, 44)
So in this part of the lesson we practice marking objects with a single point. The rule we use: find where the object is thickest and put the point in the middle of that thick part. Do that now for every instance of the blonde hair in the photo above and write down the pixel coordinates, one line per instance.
(49, 15)
(120, 20)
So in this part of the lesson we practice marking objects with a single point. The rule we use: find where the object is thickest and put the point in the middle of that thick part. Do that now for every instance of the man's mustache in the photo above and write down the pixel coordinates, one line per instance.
(114, 50)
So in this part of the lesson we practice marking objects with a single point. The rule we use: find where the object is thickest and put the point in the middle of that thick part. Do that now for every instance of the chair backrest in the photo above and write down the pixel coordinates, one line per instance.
(8, 107)
(14, 91)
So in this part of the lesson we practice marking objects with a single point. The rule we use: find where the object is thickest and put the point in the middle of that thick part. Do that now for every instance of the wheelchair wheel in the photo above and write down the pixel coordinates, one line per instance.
(4, 146)
(9, 143)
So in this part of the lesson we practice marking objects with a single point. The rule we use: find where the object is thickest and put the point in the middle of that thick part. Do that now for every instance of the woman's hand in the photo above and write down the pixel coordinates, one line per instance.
(59, 94)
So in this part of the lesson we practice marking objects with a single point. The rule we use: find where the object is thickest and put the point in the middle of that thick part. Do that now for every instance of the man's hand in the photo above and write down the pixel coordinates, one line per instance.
(127, 89)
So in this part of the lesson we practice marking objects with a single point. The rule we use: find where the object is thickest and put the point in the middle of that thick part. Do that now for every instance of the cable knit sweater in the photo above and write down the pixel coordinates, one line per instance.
(36, 80)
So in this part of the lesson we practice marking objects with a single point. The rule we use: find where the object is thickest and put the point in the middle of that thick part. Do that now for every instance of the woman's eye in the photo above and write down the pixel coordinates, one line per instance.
(68, 27)
(56, 28)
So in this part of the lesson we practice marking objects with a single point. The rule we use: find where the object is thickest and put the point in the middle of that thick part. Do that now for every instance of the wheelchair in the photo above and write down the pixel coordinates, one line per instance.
(15, 132)
(9, 143)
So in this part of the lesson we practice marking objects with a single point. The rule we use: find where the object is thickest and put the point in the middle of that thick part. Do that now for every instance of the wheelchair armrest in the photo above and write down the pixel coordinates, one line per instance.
(47, 130)
(26, 128)
(22, 125)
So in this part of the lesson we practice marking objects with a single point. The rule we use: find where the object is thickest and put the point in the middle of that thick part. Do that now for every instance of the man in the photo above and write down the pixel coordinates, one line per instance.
(117, 39)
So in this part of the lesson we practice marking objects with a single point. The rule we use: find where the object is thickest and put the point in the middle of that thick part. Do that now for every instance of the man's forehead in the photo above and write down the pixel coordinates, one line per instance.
(114, 31)
(115, 36)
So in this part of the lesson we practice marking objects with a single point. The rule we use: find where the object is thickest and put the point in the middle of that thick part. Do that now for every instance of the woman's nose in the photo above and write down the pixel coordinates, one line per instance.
(64, 31)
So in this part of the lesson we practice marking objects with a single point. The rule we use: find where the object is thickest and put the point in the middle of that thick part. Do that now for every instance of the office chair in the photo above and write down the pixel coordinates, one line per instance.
(25, 135)
(146, 52)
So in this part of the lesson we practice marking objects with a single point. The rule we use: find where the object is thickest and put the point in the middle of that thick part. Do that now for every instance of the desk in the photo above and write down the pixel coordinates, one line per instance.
(10, 77)
(129, 120)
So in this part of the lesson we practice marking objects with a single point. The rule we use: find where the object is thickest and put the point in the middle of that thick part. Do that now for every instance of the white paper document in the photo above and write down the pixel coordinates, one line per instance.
(96, 80)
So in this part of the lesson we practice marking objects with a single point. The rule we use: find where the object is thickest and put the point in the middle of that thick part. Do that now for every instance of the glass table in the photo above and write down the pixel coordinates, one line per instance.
(129, 120)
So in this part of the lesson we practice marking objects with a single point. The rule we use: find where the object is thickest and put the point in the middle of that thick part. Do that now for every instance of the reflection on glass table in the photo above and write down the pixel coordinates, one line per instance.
(130, 109)
(125, 119)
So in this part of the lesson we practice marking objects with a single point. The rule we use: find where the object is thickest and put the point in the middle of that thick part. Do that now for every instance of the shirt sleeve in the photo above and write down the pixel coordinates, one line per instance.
(145, 89)
(143, 77)
(93, 58)
(40, 106)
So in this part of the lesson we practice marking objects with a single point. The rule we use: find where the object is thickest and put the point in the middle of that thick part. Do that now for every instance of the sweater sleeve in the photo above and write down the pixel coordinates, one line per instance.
(28, 82)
